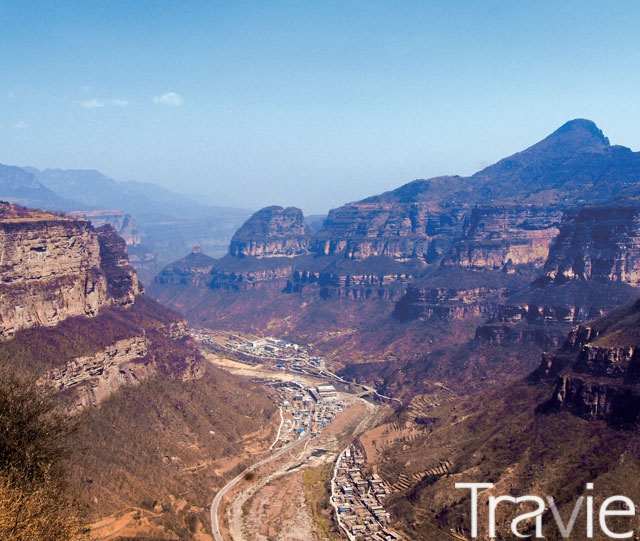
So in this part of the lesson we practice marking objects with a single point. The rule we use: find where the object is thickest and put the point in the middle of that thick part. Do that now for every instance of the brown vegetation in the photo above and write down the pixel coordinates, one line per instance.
(34, 502)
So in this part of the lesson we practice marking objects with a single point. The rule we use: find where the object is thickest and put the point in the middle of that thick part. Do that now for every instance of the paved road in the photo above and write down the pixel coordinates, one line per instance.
(215, 505)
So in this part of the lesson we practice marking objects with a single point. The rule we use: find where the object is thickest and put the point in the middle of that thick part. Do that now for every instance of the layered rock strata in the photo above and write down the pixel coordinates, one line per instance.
(272, 232)
(598, 369)
(94, 378)
(397, 230)
(597, 243)
(53, 267)
(502, 237)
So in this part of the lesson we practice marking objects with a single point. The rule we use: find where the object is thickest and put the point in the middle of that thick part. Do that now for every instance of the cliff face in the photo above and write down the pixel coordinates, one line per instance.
(444, 303)
(241, 280)
(598, 243)
(501, 237)
(50, 270)
(397, 230)
(92, 379)
(598, 369)
(272, 232)
(354, 286)
(53, 268)
(122, 280)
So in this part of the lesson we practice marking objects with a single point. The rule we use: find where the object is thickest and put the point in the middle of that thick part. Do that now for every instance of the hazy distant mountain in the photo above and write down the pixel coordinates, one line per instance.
(95, 190)
(20, 186)
(168, 224)
(315, 221)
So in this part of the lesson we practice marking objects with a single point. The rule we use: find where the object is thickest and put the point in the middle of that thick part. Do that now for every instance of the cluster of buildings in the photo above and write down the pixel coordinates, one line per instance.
(358, 499)
(270, 344)
(286, 355)
(305, 409)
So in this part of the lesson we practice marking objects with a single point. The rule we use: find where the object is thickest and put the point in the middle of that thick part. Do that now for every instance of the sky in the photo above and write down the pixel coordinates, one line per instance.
(307, 103)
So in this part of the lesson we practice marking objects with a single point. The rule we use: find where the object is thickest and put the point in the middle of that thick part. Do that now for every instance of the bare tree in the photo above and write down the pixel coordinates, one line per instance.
(34, 504)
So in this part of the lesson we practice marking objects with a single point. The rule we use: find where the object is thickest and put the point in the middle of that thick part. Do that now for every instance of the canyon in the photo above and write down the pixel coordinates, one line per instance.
(508, 258)
(75, 320)
(486, 306)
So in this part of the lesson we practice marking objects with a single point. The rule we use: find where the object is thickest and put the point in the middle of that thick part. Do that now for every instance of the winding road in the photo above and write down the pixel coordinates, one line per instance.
(215, 505)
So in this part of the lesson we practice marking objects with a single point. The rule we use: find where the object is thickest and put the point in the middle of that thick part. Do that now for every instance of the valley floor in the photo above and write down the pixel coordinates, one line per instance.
(287, 499)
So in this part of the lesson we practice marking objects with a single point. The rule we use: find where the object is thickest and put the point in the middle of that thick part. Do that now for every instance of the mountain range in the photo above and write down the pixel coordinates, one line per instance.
(500, 264)
(157, 224)
(502, 308)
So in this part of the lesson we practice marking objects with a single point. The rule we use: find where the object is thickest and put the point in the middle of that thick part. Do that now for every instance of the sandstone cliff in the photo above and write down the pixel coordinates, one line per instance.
(272, 232)
(597, 243)
(598, 369)
(504, 236)
(53, 267)
(397, 230)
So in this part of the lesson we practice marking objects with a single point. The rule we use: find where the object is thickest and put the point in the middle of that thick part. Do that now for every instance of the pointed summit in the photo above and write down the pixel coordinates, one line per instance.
(578, 134)
(573, 158)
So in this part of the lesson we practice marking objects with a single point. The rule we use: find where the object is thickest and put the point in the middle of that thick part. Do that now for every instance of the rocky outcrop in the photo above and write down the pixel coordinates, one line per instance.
(272, 232)
(93, 379)
(598, 369)
(502, 237)
(597, 243)
(193, 270)
(123, 223)
(593, 399)
(53, 267)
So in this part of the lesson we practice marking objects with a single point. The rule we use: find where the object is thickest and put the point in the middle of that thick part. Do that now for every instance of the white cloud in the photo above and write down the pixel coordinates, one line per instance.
(99, 103)
(118, 103)
(170, 98)
(20, 125)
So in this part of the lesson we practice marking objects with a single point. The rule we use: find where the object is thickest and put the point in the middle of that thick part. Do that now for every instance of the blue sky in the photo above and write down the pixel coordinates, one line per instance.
(306, 103)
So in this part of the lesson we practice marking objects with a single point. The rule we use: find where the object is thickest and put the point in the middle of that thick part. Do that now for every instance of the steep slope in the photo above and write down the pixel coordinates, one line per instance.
(572, 422)
(158, 428)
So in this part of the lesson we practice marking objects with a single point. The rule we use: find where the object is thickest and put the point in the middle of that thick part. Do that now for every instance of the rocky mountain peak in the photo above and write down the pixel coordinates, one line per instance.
(579, 134)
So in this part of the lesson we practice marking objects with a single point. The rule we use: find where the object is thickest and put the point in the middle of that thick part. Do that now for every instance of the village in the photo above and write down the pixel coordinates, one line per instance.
(357, 499)
(280, 353)
(303, 410)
